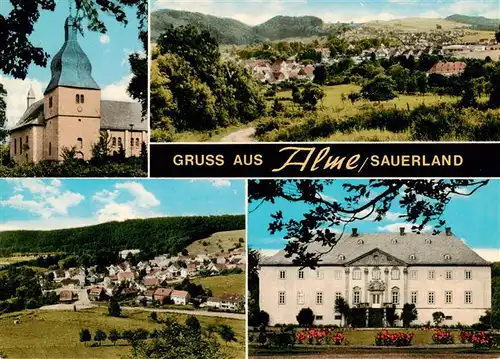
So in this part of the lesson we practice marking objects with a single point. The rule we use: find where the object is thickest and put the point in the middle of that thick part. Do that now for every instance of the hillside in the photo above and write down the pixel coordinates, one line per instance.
(217, 242)
(476, 22)
(226, 31)
(230, 31)
(414, 24)
(155, 235)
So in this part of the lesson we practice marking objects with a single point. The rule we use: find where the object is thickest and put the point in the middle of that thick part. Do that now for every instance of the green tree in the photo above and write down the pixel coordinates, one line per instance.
(85, 336)
(409, 314)
(176, 341)
(401, 77)
(342, 307)
(381, 88)
(154, 316)
(101, 149)
(114, 309)
(337, 46)
(227, 333)
(19, 25)
(99, 336)
(3, 116)
(114, 336)
(469, 95)
(305, 317)
(495, 88)
(308, 96)
(193, 323)
(438, 318)
(497, 35)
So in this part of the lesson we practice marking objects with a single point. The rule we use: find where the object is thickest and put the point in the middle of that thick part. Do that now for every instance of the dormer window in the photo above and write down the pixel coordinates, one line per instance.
(428, 241)
(447, 257)
(341, 257)
(360, 241)
(413, 257)
(394, 241)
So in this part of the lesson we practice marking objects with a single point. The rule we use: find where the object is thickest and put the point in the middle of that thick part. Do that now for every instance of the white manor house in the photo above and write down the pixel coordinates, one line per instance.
(437, 273)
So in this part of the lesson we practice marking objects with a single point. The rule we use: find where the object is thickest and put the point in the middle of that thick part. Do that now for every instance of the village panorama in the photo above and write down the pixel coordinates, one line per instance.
(304, 79)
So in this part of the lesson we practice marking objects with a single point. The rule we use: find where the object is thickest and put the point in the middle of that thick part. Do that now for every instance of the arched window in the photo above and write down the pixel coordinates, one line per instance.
(20, 145)
(376, 274)
(447, 257)
(360, 241)
(82, 98)
(131, 142)
(395, 273)
(77, 98)
(50, 149)
(114, 141)
(395, 295)
(356, 295)
(341, 257)
(79, 142)
(119, 141)
(428, 241)
(50, 102)
(15, 146)
(413, 257)
(394, 241)
(137, 142)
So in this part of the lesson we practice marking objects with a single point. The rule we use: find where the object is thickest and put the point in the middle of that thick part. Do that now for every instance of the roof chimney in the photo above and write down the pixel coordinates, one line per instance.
(354, 232)
(402, 231)
(448, 231)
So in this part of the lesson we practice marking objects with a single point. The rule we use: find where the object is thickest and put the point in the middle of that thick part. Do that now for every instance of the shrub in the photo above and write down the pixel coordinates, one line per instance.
(305, 317)
(319, 336)
(481, 340)
(398, 339)
(442, 337)
(466, 336)
(282, 339)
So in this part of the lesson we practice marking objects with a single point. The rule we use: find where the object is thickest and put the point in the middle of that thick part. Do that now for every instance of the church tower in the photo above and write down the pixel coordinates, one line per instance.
(30, 99)
(72, 100)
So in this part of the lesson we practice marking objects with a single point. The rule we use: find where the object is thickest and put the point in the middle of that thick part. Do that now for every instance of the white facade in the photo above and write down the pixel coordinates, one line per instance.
(375, 279)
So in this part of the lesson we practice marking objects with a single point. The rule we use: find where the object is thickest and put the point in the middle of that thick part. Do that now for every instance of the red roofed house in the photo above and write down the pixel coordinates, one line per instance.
(97, 294)
(149, 294)
(180, 297)
(123, 276)
(448, 68)
(162, 295)
(151, 282)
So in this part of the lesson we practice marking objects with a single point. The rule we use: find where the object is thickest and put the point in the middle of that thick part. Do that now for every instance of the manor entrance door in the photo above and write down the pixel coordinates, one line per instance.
(376, 299)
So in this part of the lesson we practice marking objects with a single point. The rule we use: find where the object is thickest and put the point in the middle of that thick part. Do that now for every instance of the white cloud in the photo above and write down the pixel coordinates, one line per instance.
(217, 183)
(392, 216)
(17, 92)
(47, 197)
(104, 39)
(268, 252)
(47, 223)
(118, 91)
(139, 203)
(394, 227)
(489, 254)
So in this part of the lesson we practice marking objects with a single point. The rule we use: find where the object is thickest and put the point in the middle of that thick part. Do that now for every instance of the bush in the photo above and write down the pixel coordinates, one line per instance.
(305, 317)
(319, 336)
(442, 337)
(399, 339)
(281, 340)
(481, 340)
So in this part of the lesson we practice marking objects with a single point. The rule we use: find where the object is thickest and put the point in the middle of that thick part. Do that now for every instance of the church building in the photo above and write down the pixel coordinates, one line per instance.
(437, 273)
(72, 114)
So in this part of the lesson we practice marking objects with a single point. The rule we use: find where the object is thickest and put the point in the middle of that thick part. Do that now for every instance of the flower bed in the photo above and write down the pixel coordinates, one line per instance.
(397, 339)
(466, 336)
(442, 337)
(481, 340)
(319, 336)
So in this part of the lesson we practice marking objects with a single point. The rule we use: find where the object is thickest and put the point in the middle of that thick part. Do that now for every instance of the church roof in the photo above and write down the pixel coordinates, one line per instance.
(71, 67)
(115, 115)
(411, 248)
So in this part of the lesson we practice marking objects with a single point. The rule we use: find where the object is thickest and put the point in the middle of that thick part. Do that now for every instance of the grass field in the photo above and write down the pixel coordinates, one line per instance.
(207, 136)
(224, 284)
(216, 242)
(413, 24)
(15, 259)
(55, 334)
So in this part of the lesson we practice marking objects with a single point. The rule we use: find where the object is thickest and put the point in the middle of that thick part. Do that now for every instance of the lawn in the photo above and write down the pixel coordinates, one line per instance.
(217, 242)
(224, 284)
(15, 259)
(55, 334)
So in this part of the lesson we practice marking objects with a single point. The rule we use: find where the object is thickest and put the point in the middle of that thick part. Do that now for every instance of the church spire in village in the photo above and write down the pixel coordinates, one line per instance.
(71, 67)
(30, 99)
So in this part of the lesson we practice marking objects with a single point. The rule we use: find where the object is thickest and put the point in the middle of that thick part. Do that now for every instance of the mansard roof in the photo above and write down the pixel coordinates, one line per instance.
(409, 248)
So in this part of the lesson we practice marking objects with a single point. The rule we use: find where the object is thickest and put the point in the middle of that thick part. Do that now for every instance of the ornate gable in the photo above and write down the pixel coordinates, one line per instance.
(376, 257)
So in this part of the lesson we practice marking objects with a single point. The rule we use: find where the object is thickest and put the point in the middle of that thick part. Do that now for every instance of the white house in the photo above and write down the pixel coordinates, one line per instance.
(180, 297)
(437, 273)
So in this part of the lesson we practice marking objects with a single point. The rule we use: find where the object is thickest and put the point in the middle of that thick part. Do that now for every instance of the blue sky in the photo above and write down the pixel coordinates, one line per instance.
(476, 219)
(257, 11)
(66, 203)
(107, 53)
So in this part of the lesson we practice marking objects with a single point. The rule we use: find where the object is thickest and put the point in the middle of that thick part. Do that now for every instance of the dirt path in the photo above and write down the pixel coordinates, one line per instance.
(244, 135)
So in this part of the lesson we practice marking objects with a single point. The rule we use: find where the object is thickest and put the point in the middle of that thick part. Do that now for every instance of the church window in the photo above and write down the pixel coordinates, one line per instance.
(20, 145)
(77, 98)
(114, 141)
(131, 142)
(395, 274)
(82, 98)
(15, 146)
(356, 274)
(119, 141)
(137, 142)
(50, 149)
(395, 295)
(79, 143)
(50, 102)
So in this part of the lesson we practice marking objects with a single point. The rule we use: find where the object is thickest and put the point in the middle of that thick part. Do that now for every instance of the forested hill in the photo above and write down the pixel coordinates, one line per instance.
(229, 31)
(226, 31)
(477, 22)
(155, 235)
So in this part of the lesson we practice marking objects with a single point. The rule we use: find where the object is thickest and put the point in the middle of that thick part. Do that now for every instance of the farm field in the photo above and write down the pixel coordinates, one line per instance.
(223, 284)
(55, 334)
(217, 242)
